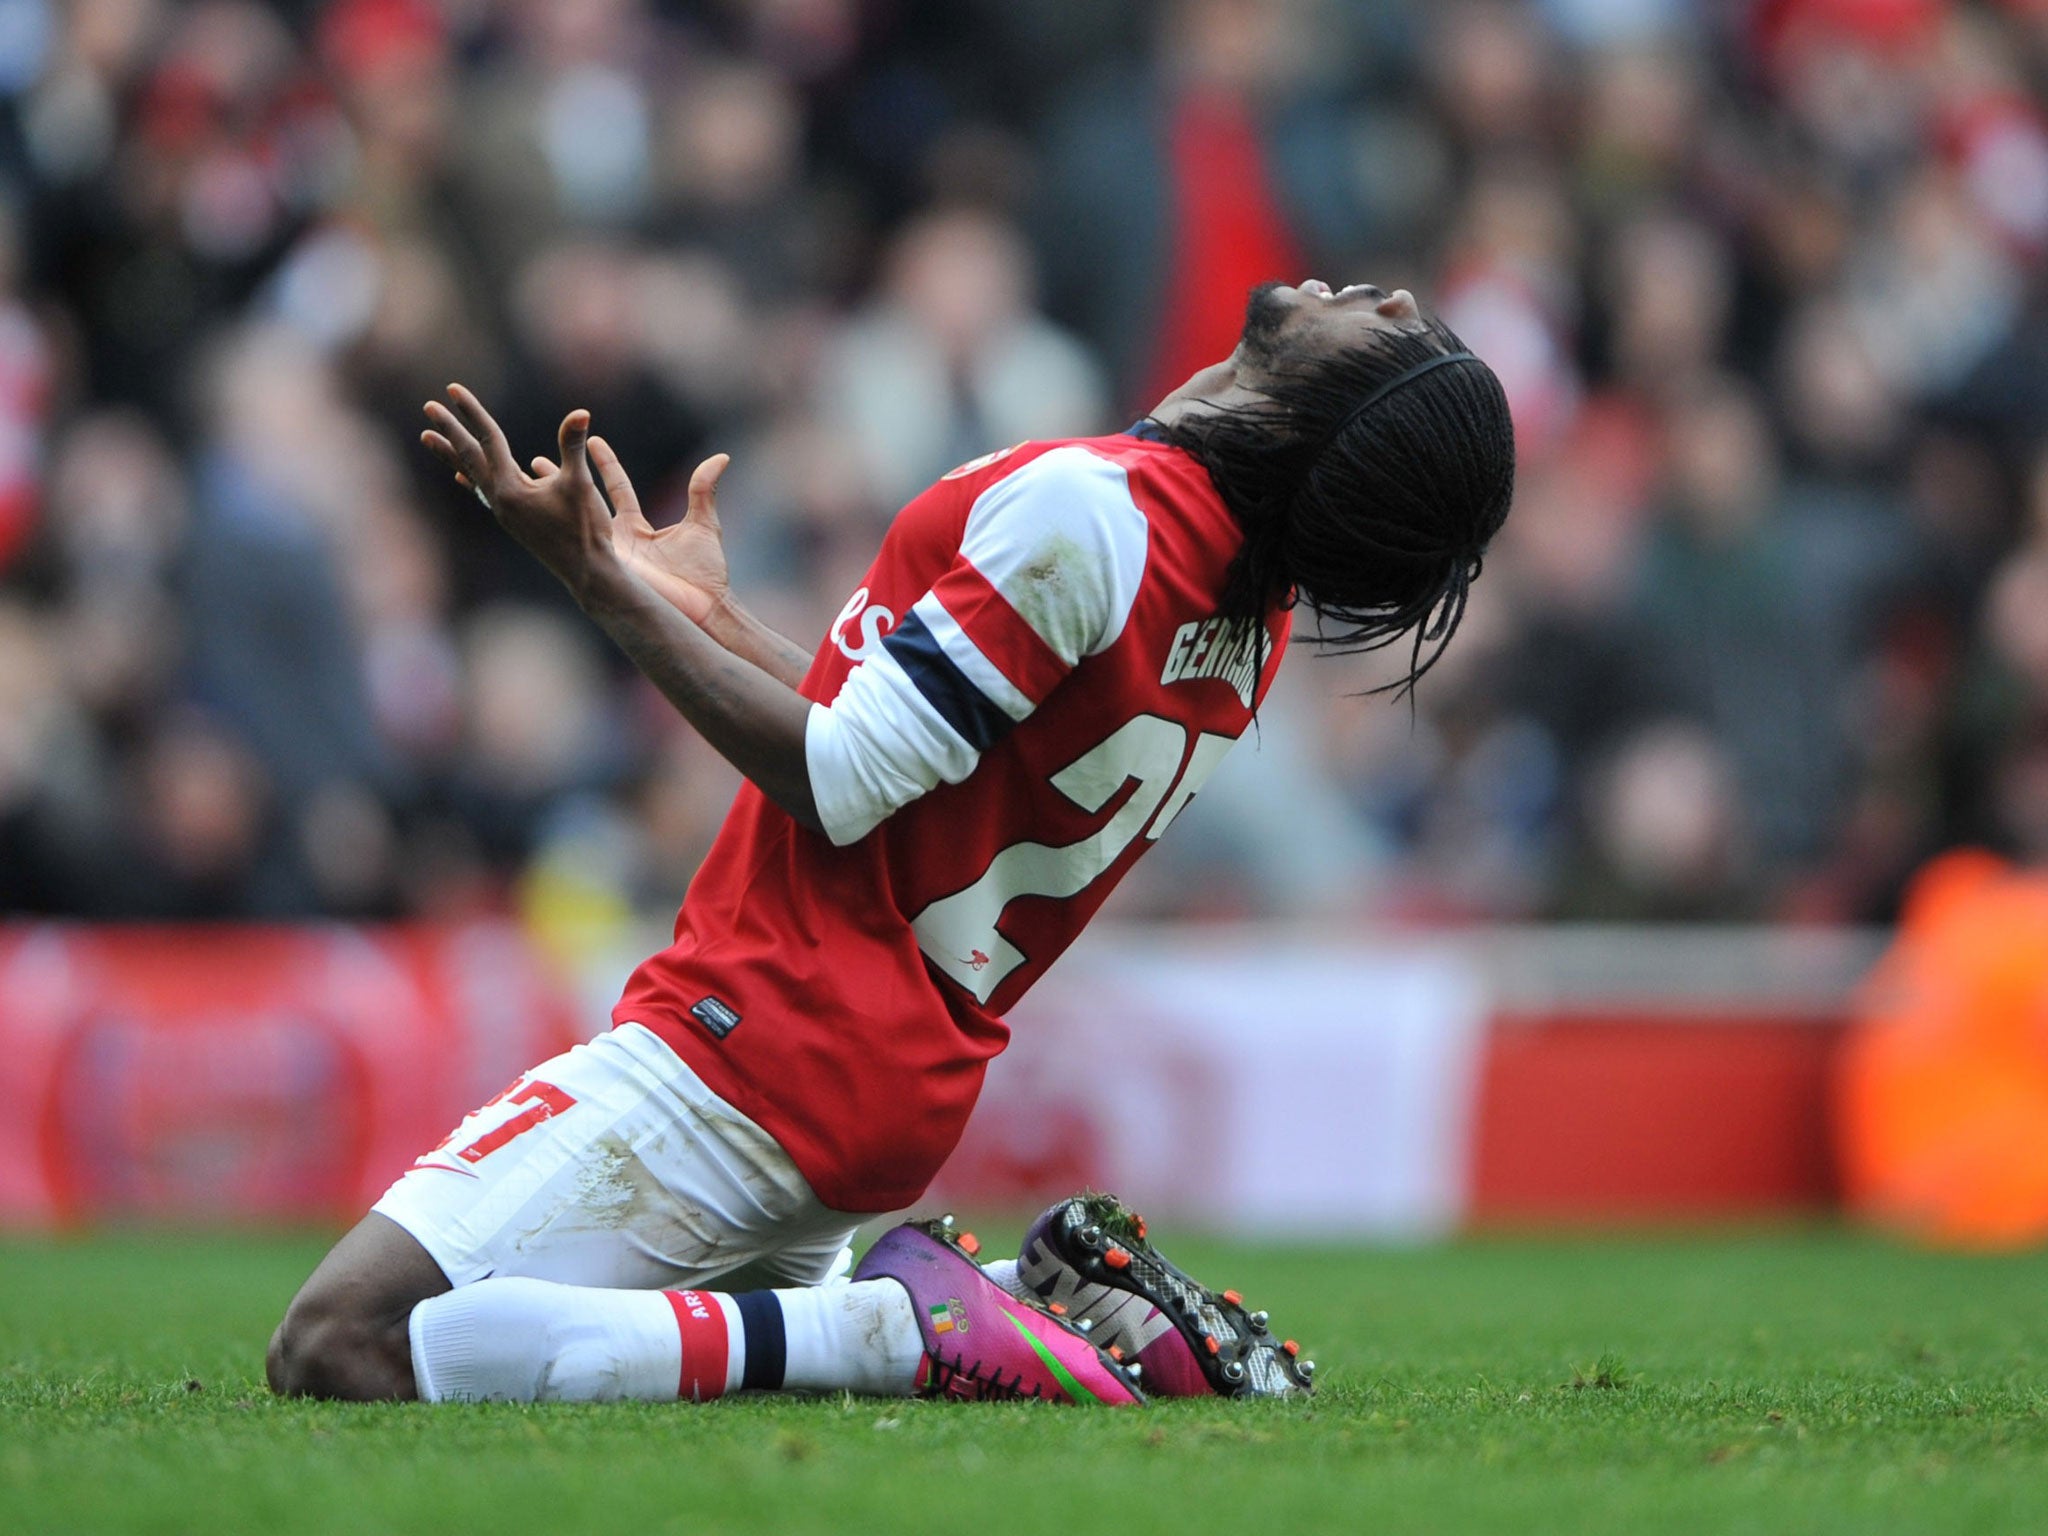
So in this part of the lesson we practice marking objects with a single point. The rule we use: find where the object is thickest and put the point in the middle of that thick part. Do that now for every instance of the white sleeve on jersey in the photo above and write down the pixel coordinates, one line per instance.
(1049, 567)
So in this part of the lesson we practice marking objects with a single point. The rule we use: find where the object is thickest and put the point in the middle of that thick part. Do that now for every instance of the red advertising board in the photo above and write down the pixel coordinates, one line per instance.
(1628, 1115)
(1246, 1079)
(263, 1074)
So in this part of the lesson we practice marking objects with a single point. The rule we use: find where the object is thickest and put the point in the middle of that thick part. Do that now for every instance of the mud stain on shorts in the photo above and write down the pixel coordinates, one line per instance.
(612, 1186)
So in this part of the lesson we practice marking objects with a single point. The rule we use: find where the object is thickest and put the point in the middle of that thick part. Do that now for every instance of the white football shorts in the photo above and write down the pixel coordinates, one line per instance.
(614, 1165)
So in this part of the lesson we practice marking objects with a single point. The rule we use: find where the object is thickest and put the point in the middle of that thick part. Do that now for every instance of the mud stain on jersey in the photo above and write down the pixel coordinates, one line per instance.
(1058, 585)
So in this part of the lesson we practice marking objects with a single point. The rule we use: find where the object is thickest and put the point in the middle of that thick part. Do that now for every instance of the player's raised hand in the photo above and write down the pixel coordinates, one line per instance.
(685, 563)
(555, 512)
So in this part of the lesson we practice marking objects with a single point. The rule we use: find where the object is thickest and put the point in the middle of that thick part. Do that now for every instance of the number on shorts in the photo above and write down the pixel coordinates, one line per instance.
(958, 933)
(543, 1100)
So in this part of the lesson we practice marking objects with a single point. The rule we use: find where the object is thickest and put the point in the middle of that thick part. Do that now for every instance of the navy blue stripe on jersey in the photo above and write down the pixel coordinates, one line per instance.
(767, 1340)
(978, 718)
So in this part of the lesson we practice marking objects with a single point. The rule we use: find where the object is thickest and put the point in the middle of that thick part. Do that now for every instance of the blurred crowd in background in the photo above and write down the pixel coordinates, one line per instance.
(1765, 283)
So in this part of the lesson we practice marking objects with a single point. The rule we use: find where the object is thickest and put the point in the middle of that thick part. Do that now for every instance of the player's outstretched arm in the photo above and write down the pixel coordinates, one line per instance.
(685, 563)
(755, 720)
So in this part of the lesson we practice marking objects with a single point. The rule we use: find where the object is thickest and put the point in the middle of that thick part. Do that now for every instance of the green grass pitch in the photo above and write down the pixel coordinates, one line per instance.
(1786, 1381)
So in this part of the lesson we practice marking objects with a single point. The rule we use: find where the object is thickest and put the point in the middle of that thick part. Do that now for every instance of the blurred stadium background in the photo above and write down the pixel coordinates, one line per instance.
(1578, 938)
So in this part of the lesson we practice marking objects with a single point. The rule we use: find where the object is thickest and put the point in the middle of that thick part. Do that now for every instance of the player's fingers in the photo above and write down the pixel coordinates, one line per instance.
(489, 436)
(448, 454)
(541, 466)
(704, 489)
(611, 474)
(574, 433)
(443, 450)
(464, 453)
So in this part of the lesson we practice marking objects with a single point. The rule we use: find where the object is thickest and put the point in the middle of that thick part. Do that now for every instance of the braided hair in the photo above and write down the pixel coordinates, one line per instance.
(1368, 484)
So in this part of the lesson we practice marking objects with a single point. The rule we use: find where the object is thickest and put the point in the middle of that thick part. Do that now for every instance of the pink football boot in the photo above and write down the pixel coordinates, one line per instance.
(980, 1342)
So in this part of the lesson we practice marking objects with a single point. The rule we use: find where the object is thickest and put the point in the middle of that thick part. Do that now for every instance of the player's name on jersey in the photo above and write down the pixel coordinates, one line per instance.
(1223, 648)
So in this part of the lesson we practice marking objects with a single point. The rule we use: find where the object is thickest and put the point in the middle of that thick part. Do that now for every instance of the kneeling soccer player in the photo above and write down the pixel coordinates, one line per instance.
(1052, 651)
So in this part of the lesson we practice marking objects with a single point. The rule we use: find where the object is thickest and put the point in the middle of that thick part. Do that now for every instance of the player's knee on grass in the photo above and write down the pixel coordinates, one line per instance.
(344, 1335)
(325, 1351)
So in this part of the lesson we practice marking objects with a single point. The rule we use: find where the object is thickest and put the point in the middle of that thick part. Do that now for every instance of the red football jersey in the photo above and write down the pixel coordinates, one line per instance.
(1029, 686)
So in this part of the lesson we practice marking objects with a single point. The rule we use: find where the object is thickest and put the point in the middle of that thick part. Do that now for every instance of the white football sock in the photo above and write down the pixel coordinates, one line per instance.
(861, 1337)
(536, 1341)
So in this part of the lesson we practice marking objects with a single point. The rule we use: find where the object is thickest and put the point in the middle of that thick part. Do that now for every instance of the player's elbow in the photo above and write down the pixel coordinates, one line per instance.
(841, 833)
(791, 791)
(840, 823)
(808, 818)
